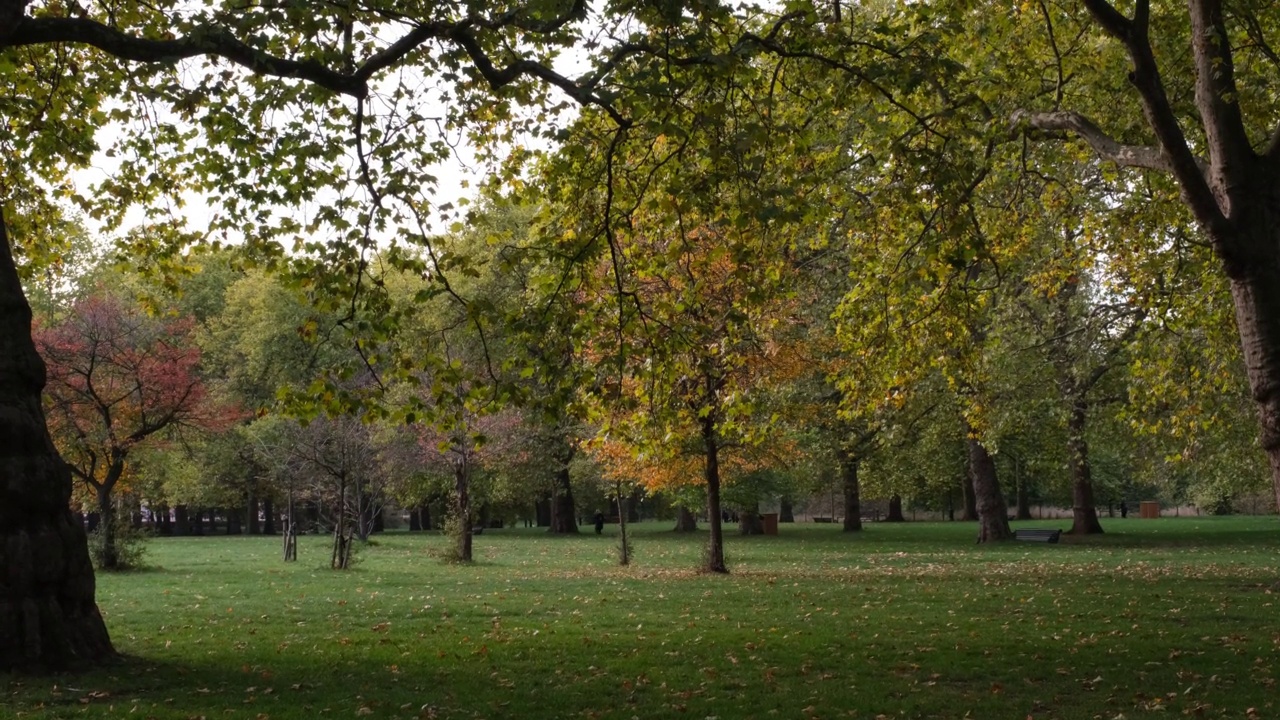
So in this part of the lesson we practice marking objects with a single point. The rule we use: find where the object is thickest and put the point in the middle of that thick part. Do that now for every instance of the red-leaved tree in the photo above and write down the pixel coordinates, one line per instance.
(118, 377)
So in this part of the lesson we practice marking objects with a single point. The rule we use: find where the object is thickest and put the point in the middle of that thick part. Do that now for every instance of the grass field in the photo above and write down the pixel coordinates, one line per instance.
(1158, 618)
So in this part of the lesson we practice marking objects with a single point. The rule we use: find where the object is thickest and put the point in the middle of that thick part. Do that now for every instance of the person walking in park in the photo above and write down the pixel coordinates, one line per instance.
(599, 519)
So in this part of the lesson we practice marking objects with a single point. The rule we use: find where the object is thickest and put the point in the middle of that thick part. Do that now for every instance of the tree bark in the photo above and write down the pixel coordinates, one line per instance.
(895, 510)
(564, 519)
(970, 511)
(253, 523)
(49, 620)
(268, 516)
(786, 510)
(1083, 507)
(685, 520)
(1256, 293)
(462, 510)
(852, 491)
(993, 514)
(1023, 511)
(108, 553)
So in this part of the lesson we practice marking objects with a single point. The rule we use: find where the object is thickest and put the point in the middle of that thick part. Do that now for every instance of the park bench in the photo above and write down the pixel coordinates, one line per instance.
(1044, 536)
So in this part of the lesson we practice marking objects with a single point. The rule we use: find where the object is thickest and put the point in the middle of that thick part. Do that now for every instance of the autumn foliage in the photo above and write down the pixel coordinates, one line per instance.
(118, 378)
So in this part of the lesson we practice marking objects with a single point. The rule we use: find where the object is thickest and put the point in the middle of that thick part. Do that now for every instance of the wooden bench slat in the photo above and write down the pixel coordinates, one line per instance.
(1044, 536)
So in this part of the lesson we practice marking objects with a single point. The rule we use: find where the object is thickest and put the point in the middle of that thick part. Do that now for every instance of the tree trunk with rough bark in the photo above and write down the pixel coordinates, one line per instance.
(993, 513)
(895, 510)
(181, 521)
(1256, 292)
(1023, 511)
(49, 619)
(852, 491)
(1084, 511)
(108, 529)
(685, 520)
(714, 562)
(564, 519)
(970, 511)
(462, 510)
(786, 510)
(253, 522)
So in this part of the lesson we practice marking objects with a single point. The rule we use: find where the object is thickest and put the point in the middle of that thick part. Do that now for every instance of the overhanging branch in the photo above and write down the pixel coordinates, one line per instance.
(206, 40)
(1107, 147)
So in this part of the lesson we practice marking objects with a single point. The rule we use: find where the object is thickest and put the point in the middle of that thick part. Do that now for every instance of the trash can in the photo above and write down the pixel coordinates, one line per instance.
(1149, 509)
(770, 523)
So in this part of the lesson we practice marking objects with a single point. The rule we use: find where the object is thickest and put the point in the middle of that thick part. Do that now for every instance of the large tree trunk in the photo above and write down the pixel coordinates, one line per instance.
(1023, 511)
(895, 510)
(715, 543)
(1256, 293)
(181, 521)
(685, 520)
(786, 510)
(993, 514)
(852, 491)
(268, 516)
(970, 512)
(48, 618)
(750, 522)
(1083, 510)
(563, 511)
(253, 523)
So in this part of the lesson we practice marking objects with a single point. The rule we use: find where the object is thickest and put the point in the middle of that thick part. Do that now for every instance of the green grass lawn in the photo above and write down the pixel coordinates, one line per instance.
(1159, 618)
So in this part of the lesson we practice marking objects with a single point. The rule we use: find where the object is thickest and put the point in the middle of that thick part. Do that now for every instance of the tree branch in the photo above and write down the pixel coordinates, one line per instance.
(1217, 99)
(205, 40)
(498, 78)
(1185, 166)
(1138, 156)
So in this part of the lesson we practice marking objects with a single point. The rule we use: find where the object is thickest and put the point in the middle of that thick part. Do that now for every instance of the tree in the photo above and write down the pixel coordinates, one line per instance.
(1220, 152)
(337, 462)
(118, 379)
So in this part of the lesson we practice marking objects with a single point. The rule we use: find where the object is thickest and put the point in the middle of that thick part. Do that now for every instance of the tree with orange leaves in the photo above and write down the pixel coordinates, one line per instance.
(700, 339)
(119, 378)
